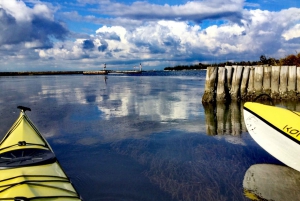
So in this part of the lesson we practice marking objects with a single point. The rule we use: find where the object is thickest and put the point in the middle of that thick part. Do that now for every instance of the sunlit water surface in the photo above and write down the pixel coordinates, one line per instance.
(142, 137)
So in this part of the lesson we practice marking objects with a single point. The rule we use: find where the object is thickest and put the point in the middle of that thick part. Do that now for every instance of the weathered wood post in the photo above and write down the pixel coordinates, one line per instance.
(267, 80)
(244, 83)
(210, 85)
(258, 80)
(275, 75)
(283, 82)
(250, 90)
(236, 81)
(291, 88)
(229, 71)
(221, 90)
(298, 83)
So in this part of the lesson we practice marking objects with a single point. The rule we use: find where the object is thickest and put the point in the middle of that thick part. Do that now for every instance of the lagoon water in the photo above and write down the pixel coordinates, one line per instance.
(144, 137)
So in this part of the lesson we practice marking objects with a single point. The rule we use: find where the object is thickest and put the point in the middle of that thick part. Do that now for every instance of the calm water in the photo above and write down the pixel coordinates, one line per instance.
(138, 137)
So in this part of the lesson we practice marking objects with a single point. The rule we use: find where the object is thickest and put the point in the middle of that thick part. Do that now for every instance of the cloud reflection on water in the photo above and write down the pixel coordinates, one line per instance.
(123, 107)
(158, 122)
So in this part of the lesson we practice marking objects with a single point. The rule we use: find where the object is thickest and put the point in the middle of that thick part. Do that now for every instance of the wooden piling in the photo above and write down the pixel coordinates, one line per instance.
(210, 85)
(258, 80)
(221, 92)
(250, 89)
(283, 82)
(236, 82)
(298, 82)
(267, 80)
(244, 83)
(229, 71)
(291, 88)
(275, 72)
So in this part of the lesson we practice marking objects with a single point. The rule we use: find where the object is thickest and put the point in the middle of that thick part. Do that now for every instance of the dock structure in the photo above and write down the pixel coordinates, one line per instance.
(98, 72)
(126, 72)
(234, 83)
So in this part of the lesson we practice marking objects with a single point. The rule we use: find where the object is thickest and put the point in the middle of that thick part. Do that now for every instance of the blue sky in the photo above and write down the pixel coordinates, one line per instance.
(37, 35)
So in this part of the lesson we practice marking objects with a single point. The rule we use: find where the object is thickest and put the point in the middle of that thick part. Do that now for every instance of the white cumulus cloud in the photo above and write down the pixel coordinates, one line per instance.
(146, 33)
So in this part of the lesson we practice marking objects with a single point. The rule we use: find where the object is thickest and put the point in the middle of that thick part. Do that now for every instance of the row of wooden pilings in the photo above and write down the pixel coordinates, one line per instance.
(247, 82)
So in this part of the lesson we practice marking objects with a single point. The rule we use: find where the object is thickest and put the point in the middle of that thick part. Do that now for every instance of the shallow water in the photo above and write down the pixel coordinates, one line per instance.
(143, 137)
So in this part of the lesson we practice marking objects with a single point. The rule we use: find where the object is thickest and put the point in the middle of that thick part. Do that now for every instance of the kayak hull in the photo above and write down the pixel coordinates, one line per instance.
(276, 130)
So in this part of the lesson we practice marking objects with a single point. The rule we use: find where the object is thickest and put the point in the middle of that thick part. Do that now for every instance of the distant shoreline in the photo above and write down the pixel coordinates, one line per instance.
(40, 73)
(100, 72)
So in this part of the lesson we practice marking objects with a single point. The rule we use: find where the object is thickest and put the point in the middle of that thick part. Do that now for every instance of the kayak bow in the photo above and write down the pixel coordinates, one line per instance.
(275, 129)
(29, 169)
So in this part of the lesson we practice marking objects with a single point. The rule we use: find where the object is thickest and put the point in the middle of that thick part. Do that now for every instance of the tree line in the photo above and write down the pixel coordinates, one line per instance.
(290, 60)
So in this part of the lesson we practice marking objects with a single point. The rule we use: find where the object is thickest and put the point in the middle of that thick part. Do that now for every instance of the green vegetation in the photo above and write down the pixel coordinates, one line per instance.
(290, 60)
(191, 67)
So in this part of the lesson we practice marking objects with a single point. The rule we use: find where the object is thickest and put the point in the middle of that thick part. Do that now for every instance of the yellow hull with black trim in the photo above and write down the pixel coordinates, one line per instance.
(275, 129)
(29, 169)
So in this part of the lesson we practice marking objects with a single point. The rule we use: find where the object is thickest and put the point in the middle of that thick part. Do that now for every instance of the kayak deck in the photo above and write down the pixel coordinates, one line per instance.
(276, 130)
(46, 181)
(29, 169)
(284, 121)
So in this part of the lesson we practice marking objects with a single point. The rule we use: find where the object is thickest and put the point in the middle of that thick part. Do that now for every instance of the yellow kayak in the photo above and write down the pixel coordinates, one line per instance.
(275, 129)
(29, 169)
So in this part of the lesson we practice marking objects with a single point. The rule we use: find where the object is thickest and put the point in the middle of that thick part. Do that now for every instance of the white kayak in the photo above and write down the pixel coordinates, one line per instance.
(275, 129)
